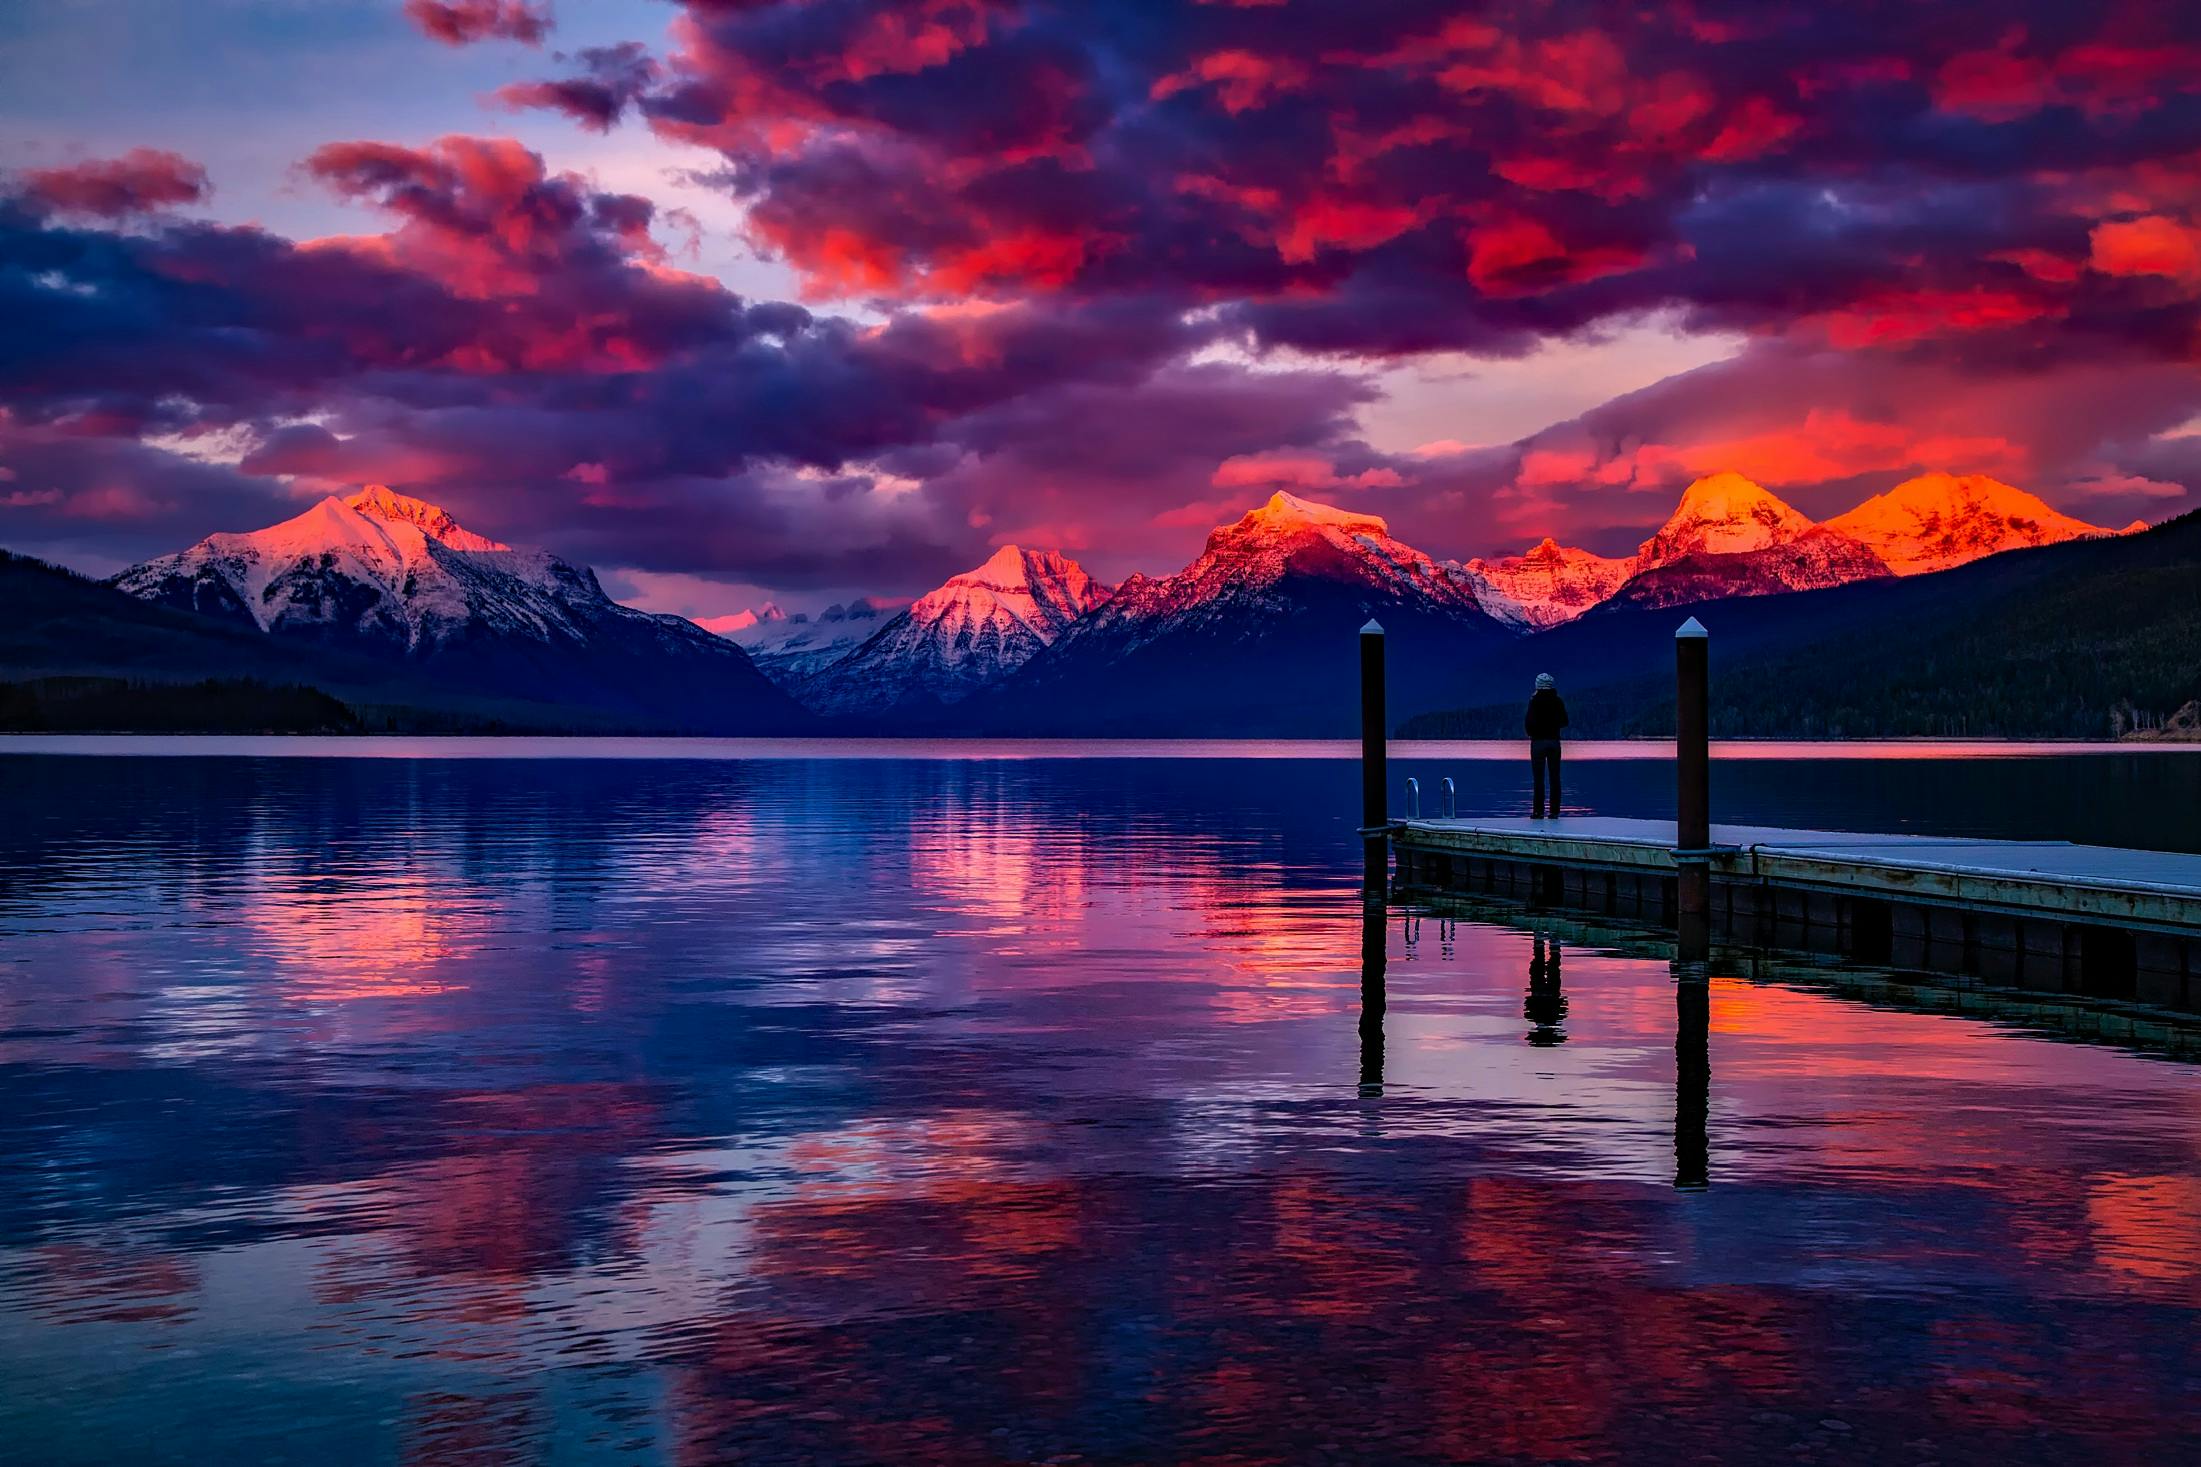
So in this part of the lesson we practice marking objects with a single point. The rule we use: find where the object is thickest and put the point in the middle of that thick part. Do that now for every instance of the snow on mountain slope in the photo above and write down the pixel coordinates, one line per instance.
(790, 650)
(378, 501)
(1723, 514)
(1936, 521)
(968, 634)
(389, 576)
(1244, 564)
(1812, 560)
(1732, 537)
(366, 569)
(1256, 636)
(1552, 583)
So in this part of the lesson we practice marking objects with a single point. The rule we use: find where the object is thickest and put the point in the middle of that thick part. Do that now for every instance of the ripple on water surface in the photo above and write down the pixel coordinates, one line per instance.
(969, 1110)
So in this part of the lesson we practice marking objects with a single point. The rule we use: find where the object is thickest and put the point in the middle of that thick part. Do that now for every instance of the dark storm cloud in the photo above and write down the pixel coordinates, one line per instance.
(519, 347)
(1388, 179)
(1082, 233)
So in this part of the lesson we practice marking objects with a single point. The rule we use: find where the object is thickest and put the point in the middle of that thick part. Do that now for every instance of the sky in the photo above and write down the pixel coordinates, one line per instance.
(803, 299)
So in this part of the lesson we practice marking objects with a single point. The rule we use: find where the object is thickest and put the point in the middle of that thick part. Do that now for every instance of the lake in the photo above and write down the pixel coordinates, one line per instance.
(518, 1101)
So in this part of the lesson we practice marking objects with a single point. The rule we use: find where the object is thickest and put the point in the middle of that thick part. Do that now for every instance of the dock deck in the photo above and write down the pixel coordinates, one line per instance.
(2115, 920)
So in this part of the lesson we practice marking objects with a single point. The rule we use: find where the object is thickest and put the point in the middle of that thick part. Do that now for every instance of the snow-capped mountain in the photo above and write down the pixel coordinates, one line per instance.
(392, 577)
(968, 634)
(1727, 537)
(1731, 537)
(1552, 583)
(1936, 521)
(1723, 514)
(1257, 634)
(1252, 563)
(792, 649)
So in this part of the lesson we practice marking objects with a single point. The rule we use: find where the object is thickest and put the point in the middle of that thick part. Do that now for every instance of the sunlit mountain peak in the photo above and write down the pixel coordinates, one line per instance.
(1285, 511)
(1939, 520)
(1724, 514)
(381, 502)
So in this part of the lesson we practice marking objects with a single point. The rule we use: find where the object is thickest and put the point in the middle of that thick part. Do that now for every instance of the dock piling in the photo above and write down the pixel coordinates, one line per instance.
(1693, 786)
(1375, 773)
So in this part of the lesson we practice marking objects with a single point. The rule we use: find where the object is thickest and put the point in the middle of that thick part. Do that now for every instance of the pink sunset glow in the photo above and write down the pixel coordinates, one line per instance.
(1019, 275)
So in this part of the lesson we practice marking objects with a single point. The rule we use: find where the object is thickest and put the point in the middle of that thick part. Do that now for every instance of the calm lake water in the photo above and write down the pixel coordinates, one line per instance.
(956, 1108)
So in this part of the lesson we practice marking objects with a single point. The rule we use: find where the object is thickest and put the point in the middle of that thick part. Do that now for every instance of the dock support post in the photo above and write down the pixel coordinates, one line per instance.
(1693, 786)
(1375, 772)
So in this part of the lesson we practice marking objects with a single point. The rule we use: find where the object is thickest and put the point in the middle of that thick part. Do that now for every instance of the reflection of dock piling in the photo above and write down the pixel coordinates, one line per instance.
(1374, 924)
(1692, 1075)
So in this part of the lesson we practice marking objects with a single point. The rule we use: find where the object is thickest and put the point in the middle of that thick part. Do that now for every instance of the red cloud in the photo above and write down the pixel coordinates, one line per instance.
(1891, 316)
(575, 278)
(1753, 130)
(907, 38)
(1354, 224)
(1517, 255)
(1243, 80)
(1296, 471)
(1318, 173)
(2106, 77)
(139, 182)
(481, 214)
(2149, 245)
(1996, 83)
(462, 22)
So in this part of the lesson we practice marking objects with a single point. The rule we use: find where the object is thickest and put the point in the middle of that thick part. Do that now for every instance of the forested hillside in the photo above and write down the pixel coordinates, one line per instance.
(2069, 641)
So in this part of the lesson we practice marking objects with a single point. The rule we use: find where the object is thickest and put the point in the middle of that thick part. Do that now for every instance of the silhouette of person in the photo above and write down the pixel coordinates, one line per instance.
(1546, 718)
(1546, 1005)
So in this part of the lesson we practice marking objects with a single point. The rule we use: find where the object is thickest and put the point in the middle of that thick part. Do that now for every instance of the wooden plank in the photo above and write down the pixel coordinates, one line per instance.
(2077, 883)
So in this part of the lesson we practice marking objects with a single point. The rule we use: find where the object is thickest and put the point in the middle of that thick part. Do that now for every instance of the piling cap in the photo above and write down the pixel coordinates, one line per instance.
(1690, 628)
(1373, 629)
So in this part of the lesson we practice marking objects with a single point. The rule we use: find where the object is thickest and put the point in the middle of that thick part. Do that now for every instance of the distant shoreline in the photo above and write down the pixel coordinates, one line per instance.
(553, 746)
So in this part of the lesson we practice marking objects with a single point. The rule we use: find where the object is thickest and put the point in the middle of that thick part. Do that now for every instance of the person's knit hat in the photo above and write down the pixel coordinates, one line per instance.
(1545, 682)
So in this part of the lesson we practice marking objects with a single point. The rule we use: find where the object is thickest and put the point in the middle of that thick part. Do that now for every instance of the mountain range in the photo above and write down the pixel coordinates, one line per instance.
(386, 601)
(788, 649)
(1230, 642)
(1732, 537)
(965, 637)
(383, 578)
(2093, 637)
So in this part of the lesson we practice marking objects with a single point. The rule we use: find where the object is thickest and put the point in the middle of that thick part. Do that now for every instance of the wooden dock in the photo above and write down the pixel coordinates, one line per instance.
(2046, 915)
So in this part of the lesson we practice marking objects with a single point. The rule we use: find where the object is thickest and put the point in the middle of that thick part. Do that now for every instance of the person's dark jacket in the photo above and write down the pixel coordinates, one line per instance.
(1547, 714)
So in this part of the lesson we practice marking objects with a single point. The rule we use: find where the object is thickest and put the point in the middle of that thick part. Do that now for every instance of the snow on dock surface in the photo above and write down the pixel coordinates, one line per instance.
(2049, 876)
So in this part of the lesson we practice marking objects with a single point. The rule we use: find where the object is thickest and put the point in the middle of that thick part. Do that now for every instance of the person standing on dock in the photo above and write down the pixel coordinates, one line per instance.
(1547, 716)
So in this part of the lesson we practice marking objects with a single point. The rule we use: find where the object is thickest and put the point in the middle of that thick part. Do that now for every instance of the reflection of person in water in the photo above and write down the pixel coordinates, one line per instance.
(1546, 1006)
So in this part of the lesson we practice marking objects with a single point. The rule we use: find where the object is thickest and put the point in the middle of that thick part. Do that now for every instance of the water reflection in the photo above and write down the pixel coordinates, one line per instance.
(1546, 1005)
(968, 1112)
(1375, 920)
(1692, 1075)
